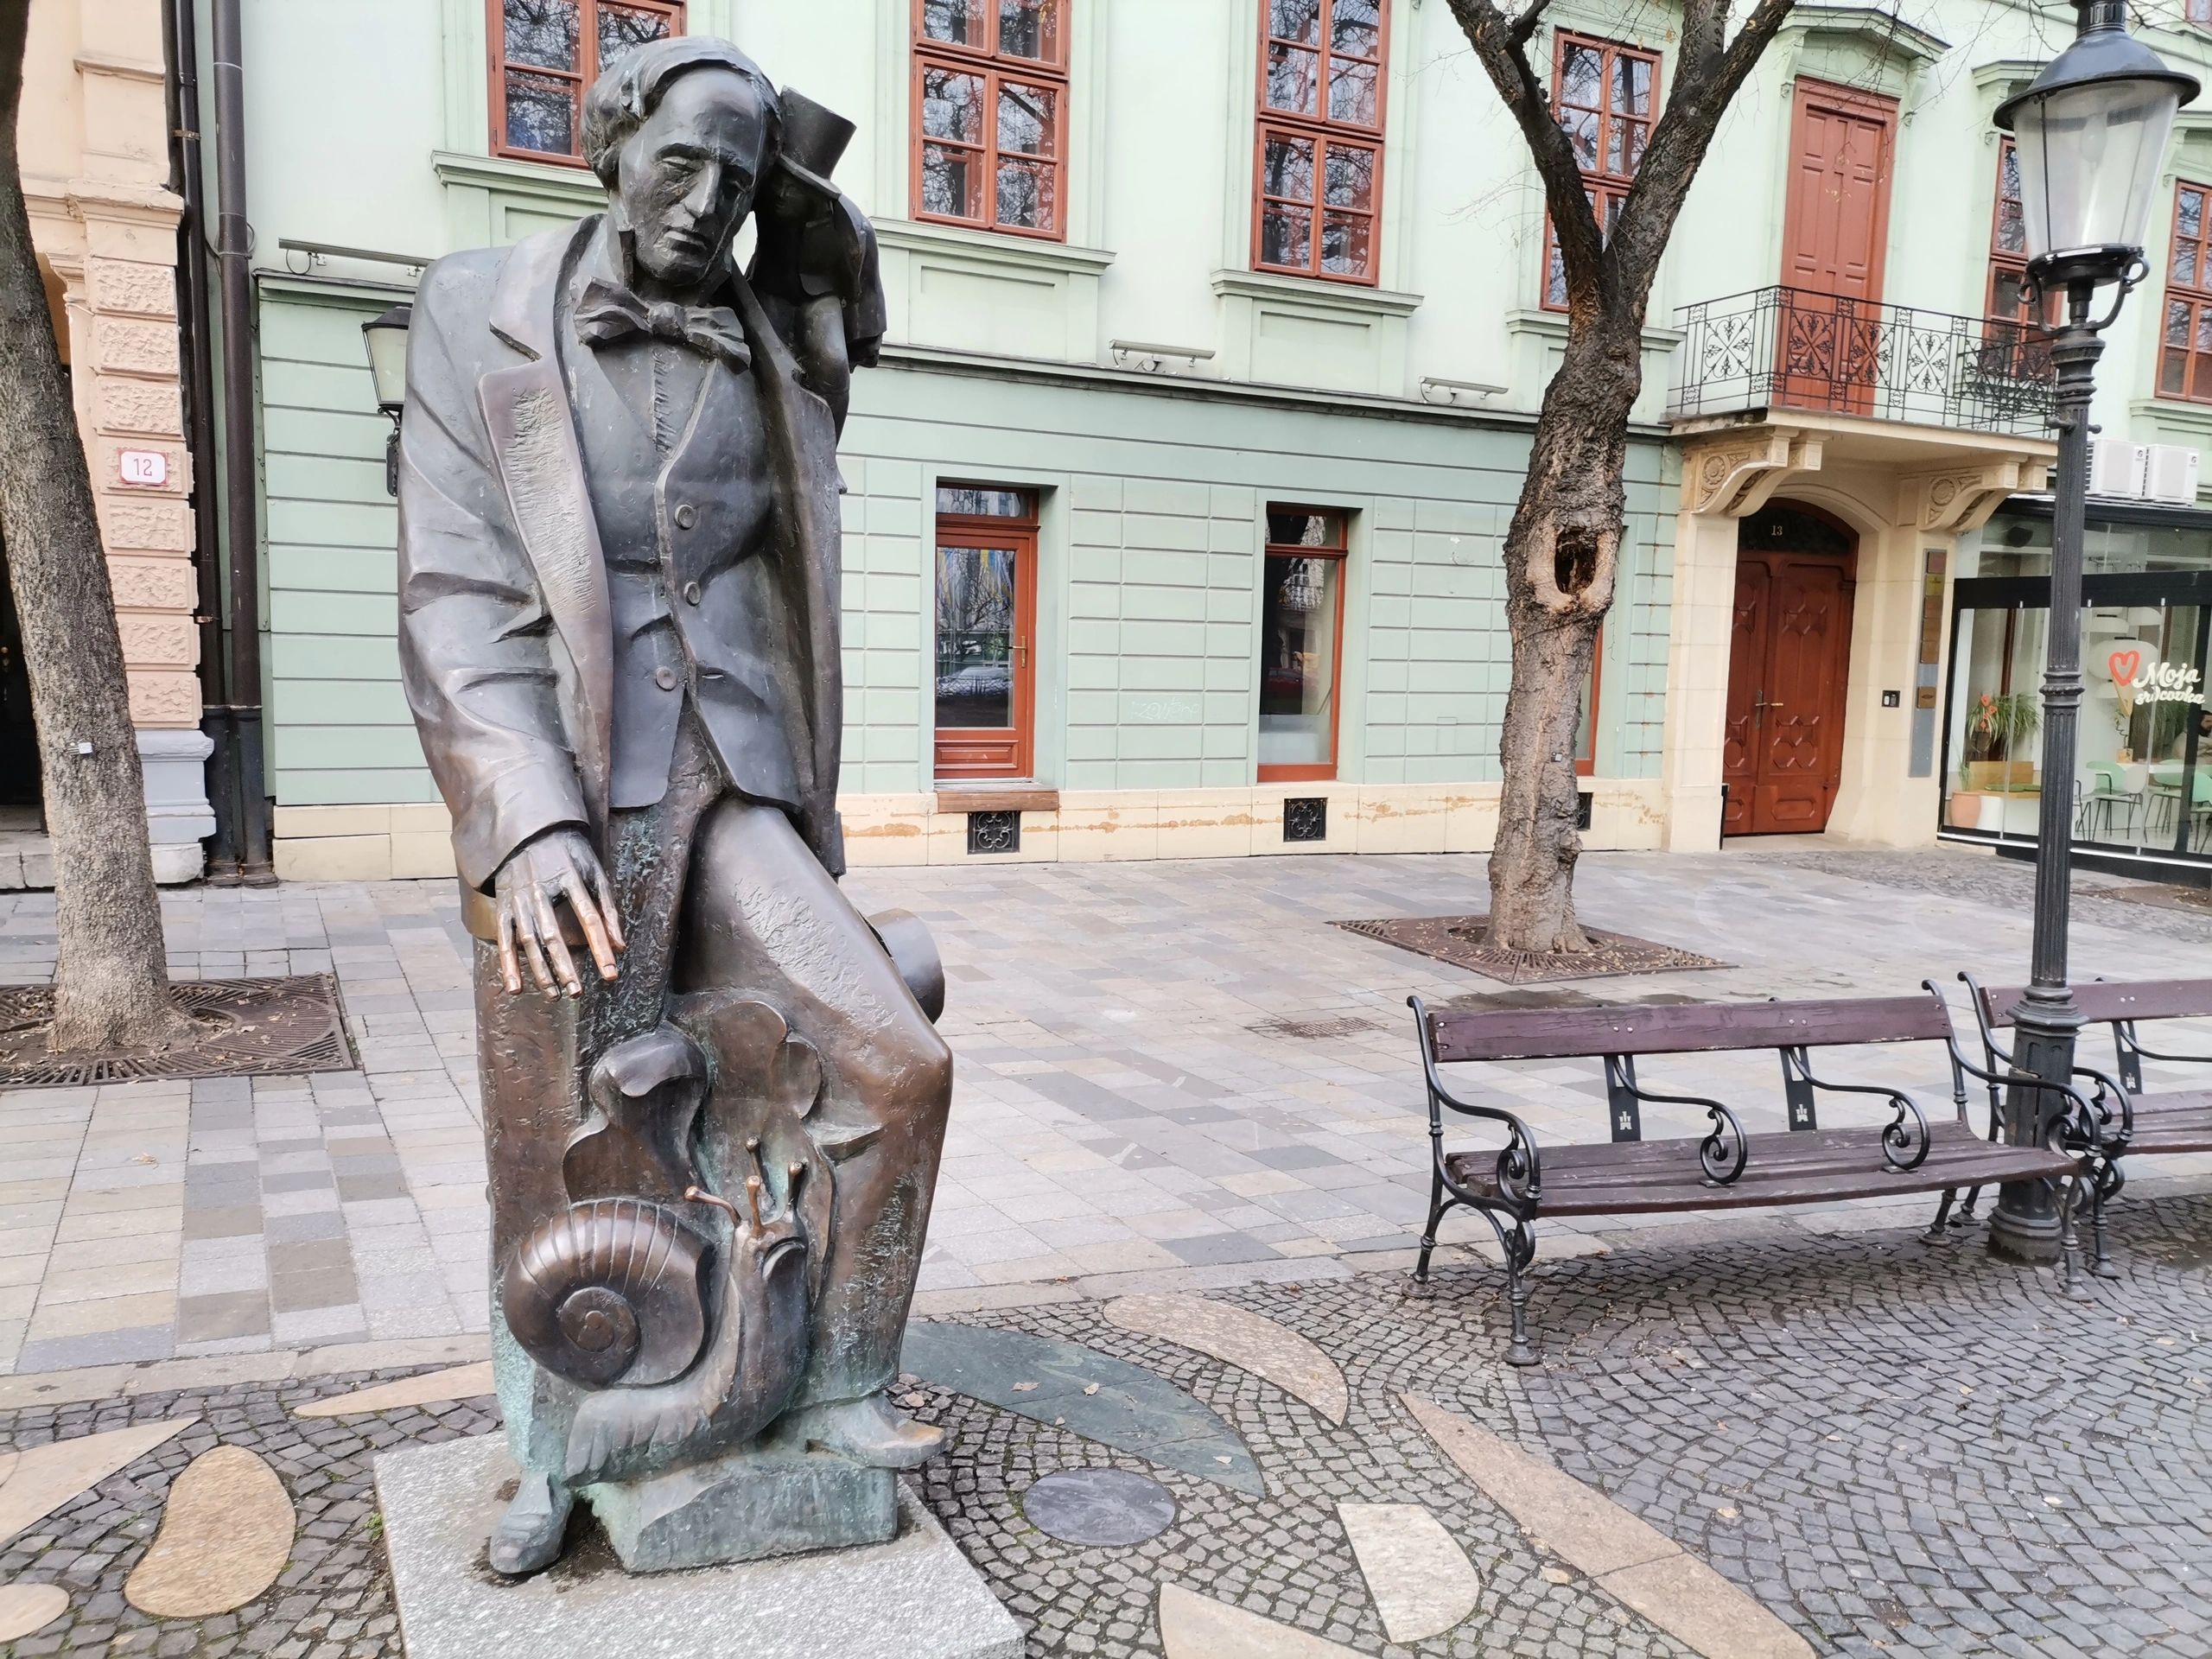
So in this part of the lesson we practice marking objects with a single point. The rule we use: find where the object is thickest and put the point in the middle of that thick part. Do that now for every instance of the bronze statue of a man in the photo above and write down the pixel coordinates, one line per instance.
(713, 1102)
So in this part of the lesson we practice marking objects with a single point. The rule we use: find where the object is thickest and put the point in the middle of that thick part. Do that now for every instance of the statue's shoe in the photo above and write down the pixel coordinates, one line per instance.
(869, 1432)
(528, 1538)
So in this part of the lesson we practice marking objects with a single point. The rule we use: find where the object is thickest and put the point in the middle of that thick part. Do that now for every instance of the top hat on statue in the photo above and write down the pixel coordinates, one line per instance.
(814, 141)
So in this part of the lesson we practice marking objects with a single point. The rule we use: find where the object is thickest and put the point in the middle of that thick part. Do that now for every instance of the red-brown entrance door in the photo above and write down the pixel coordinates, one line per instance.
(1782, 750)
(1835, 229)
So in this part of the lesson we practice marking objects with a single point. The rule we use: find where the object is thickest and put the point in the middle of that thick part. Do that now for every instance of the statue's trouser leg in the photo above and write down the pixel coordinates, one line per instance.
(763, 916)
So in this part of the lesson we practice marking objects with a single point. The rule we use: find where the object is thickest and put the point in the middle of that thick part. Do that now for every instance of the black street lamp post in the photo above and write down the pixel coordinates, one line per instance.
(2091, 133)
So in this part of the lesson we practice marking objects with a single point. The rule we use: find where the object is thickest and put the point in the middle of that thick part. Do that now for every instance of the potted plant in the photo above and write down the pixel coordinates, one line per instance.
(1998, 724)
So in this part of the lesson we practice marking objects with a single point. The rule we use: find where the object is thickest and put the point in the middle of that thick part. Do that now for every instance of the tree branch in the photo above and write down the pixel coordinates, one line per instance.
(1706, 80)
(1499, 44)
(1524, 26)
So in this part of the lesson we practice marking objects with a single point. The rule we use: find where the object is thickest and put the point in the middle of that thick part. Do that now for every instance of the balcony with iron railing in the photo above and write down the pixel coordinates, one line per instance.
(1787, 348)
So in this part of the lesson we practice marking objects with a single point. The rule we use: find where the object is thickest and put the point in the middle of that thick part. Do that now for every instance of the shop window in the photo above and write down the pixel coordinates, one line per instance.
(2143, 774)
(1320, 138)
(2016, 342)
(990, 114)
(1301, 643)
(2185, 354)
(2198, 12)
(546, 52)
(986, 615)
(1605, 97)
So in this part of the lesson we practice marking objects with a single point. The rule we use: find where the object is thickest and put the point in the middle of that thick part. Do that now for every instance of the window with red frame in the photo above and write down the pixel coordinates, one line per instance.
(2198, 12)
(2185, 352)
(545, 53)
(1320, 138)
(990, 114)
(1605, 97)
(2014, 322)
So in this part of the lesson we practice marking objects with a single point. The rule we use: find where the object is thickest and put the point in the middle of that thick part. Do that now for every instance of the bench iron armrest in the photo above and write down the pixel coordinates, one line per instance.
(2108, 1088)
(1992, 1050)
(1721, 1154)
(1998, 1054)
(1904, 1138)
(1520, 1168)
(2076, 1128)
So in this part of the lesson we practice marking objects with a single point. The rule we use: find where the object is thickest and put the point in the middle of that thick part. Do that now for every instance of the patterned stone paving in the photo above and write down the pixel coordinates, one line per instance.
(1169, 1074)
(1894, 1447)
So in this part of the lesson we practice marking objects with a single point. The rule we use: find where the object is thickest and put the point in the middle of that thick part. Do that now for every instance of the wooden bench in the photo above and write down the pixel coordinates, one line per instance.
(2131, 1123)
(1727, 1168)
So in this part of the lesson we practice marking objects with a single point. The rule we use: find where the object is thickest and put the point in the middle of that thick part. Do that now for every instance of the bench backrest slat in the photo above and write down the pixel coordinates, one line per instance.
(2098, 999)
(1685, 1028)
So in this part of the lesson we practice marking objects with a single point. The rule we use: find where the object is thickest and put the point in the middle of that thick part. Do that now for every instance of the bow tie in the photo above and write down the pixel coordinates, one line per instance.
(608, 313)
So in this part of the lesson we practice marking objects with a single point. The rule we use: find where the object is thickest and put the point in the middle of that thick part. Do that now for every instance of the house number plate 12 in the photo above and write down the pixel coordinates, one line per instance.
(147, 468)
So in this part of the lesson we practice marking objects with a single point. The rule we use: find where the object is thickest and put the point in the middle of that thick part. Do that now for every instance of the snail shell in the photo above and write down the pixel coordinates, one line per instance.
(608, 1293)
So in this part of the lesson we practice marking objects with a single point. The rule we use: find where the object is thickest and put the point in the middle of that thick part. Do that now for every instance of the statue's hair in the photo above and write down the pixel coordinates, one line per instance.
(621, 100)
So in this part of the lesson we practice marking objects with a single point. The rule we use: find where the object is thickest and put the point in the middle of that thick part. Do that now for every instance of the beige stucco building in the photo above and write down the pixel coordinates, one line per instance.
(95, 146)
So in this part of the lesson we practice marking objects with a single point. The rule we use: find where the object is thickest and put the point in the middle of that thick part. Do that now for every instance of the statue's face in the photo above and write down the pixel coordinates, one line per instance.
(686, 178)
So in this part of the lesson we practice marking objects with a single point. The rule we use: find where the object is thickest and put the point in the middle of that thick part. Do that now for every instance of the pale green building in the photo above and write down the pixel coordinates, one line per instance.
(1216, 333)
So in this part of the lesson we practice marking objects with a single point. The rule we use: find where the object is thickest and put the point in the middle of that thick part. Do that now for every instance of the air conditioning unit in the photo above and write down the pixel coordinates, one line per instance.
(2170, 472)
(2117, 467)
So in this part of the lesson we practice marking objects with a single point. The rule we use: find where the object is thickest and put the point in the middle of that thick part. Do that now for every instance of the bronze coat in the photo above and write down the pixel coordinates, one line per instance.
(505, 637)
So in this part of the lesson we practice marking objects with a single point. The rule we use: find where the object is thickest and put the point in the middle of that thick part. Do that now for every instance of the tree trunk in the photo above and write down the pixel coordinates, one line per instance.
(111, 978)
(1562, 552)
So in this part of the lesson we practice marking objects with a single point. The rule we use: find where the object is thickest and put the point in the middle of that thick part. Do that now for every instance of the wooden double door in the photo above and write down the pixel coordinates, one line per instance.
(1836, 231)
(1790, 659)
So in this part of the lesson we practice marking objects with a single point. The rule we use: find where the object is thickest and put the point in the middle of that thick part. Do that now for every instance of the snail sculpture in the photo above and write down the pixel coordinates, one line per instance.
(680, 1314)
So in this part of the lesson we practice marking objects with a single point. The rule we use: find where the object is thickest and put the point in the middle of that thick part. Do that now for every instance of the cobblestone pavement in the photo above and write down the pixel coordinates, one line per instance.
(1894, 1447)
(333, 1598)
(1130, 1101)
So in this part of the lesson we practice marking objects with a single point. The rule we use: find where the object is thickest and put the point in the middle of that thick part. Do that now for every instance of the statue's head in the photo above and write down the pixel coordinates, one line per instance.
(681, 132)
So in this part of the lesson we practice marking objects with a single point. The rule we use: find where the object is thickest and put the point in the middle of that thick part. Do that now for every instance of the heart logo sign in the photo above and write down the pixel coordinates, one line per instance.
(2124, 665)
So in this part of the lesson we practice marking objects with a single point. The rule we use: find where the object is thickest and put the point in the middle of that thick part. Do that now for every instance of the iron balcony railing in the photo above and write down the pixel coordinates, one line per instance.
(1792, 348)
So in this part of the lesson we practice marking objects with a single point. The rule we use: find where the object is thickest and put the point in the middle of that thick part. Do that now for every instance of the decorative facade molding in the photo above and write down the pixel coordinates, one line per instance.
(1735, 477)
(1959, 499)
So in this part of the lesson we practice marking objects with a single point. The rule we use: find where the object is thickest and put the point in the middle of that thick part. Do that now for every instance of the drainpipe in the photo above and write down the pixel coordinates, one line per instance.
(182, 29)
(233, 247)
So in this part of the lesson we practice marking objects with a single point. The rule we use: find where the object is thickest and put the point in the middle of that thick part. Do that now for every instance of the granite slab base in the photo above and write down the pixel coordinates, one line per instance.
(914, 1597)
(747, 1506)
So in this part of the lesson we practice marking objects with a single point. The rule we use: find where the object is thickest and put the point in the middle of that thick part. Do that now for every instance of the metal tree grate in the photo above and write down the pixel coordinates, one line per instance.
(1313, 1031)
(1458, 940)
(247, 1028)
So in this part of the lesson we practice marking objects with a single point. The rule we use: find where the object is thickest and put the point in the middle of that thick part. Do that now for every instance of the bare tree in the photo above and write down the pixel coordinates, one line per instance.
(111, 982)
(1562, 551)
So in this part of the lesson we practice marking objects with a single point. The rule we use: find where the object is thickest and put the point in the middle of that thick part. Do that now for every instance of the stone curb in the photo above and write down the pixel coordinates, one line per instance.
(280, 1365)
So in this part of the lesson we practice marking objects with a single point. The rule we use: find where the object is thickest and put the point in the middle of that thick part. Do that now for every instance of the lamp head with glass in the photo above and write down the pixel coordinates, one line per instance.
(2091, 133)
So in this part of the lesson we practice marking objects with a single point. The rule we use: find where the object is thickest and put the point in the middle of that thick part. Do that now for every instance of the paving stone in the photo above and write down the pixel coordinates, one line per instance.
(43, 1477)
(1099, 1506)
(1102, 1399)
(431, 1387)
(1243, 1338)
(225, 1533)
(1192, 1626)
(26, 1609)
(1421, 1581)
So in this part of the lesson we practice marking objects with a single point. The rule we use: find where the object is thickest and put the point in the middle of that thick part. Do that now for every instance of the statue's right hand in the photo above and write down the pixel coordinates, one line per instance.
(557, 865)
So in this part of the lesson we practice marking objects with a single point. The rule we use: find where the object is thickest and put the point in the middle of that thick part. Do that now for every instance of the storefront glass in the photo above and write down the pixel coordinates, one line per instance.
(2142, 784)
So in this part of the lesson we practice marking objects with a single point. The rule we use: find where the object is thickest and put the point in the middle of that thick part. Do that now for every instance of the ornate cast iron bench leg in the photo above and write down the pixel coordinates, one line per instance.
(1439, 1206)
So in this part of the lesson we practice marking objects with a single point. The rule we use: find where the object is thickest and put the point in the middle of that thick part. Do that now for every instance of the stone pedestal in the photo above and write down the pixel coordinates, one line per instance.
(913, 1597)
(745, 1507)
